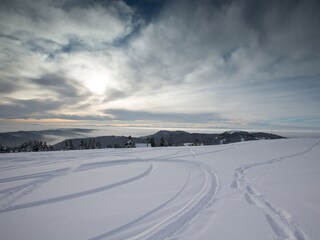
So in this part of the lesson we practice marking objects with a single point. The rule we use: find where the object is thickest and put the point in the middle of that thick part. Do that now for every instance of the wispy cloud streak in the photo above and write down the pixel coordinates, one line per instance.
(248, 63)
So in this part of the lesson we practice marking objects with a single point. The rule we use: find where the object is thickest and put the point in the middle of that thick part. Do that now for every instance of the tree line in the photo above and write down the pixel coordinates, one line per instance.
(92, 143)
(30, 146)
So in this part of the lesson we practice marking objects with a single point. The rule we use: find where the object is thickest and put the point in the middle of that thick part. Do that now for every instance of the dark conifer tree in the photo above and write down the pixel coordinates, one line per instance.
(152, 142)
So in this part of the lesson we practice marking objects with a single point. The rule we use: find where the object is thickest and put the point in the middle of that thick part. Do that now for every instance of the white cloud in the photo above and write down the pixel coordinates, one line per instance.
(45, 20)
(192, 58)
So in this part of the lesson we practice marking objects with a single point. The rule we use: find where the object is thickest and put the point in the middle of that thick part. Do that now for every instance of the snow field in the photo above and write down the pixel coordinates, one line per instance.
(249, 190)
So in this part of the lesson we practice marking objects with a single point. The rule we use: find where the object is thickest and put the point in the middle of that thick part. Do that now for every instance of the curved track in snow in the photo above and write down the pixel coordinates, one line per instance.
(26, 189)
(279, 220)
(78, 194)
(156, 194)
(11, 195)
(176, 221)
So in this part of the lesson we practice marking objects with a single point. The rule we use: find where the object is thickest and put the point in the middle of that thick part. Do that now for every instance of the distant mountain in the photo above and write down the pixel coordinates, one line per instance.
(12, 139)
(240, 136)
(173, 138)
(181, 137)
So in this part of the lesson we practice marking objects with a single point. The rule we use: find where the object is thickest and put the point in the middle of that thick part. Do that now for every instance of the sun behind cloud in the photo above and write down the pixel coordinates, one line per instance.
(97, 83)
(96, 79)
(240, 63)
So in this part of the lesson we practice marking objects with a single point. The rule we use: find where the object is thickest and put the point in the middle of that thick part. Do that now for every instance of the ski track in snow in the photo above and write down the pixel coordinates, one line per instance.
(171, 226)
(15, 193)
(78, 194)
(144, 216)
(167, 228)
(175, 223)
(279, 220)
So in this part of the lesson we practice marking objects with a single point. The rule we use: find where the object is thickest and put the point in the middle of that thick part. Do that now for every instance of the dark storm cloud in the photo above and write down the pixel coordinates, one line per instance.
(256, 12)
(27, 108)
(58, 84)
(8, 87)
(284, 25)
(64, 93)
(126, 115)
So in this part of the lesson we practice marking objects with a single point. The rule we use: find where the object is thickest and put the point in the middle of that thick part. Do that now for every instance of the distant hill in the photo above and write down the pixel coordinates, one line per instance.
(173, 138)
(180, 137)
(13, 139)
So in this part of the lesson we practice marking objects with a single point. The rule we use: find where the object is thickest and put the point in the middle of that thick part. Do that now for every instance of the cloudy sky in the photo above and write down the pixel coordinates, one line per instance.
(238, 64)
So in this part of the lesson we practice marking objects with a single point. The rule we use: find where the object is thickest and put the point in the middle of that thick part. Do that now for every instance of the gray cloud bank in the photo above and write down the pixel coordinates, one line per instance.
(242, 62)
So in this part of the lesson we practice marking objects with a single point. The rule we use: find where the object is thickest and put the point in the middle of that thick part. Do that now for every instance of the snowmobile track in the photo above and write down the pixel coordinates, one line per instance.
(79, 194)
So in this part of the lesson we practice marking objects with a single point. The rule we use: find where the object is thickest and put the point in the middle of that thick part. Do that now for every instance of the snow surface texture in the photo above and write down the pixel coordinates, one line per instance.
(249, 190)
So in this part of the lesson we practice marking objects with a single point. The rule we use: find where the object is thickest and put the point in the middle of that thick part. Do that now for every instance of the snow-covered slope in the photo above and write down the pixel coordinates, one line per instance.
(250, 190)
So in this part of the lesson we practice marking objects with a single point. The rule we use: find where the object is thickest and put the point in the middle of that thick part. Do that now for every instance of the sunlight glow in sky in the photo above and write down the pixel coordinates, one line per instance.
(239, 64)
